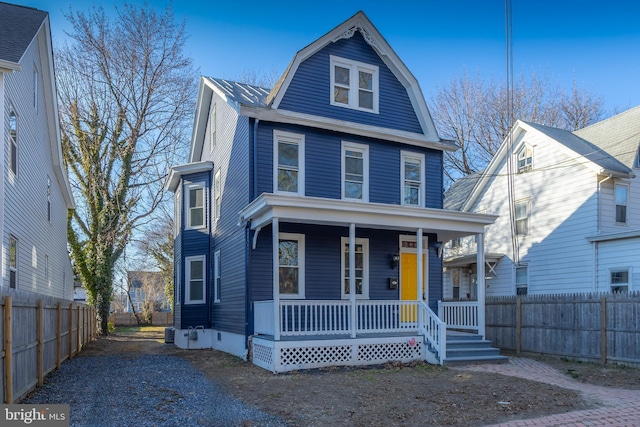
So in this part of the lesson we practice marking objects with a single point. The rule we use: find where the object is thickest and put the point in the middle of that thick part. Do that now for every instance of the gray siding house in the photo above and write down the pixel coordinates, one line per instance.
(309, 219)
(34, 190)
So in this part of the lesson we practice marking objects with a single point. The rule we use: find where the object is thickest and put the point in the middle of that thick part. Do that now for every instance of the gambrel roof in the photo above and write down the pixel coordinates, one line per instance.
(18, 27)
(609, 147)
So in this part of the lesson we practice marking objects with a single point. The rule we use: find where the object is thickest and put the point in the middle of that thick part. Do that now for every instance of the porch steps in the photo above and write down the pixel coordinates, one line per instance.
(465, 349)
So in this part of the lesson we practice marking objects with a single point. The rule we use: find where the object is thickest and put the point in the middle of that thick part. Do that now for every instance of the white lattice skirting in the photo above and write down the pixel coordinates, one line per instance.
(283, 356)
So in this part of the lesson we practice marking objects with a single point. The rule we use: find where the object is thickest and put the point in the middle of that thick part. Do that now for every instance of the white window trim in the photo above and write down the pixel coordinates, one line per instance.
(515, 276)
(364, 149)
(525, 168)
(13, 269)
(187, 277)
(300, 238)
(406, 155)
(178, 212)
(354, 67)
(13, 143)
(628, 269)
(526, 201)
(615, 204)
(217, 194)
(365, 266)
(36, 79)
(216, 276)
(294, 138)
(187, 213)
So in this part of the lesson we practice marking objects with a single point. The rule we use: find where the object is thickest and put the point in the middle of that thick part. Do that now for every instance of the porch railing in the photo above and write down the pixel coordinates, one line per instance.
(434, 330)
(459, 314)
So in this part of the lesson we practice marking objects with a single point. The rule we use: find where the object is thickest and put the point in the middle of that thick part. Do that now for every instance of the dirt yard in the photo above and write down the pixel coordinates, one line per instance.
(394, 394)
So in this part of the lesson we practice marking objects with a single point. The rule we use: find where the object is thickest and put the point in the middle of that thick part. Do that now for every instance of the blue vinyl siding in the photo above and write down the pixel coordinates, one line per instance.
(193, 243)
(231, 155)
(323, 165)
(310, 89)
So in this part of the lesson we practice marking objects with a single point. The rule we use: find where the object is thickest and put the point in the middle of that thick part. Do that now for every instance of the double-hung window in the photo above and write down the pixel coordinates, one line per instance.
(291, 269)
(361, 273)
(619, 280)
(13, 262)
(522, 217)
(522, 280)
(355, 172)
(13, 141)
(412, 173)
(195, 279)
(354, 84)
(622, 191)
(194, 200)
(288, 173)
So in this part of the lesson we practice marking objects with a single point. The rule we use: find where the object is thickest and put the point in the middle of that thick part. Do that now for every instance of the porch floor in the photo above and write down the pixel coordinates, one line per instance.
(337, 336)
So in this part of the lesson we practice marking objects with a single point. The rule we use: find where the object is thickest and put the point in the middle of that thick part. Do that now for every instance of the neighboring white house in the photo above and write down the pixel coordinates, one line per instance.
(145, 286)
(34, 190)
(572, 200)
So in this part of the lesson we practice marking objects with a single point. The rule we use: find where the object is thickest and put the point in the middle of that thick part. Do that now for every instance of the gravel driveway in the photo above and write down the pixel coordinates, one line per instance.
(144, 390)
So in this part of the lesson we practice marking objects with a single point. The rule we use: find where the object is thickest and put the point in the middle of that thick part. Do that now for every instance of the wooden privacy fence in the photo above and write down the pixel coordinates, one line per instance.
(593, 327)
(38, 333)
(158, 318)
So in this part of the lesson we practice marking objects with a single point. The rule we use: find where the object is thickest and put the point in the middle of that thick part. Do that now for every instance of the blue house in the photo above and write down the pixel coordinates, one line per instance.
(309, 218)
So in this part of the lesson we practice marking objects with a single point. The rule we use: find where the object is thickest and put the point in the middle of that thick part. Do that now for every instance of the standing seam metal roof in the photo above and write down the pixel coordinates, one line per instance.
(242, 93)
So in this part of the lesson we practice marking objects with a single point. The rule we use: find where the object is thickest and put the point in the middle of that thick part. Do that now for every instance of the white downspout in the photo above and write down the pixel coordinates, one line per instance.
(481, 286)
(2, 104)
(275, 229)
(352, 278)
(596, 270)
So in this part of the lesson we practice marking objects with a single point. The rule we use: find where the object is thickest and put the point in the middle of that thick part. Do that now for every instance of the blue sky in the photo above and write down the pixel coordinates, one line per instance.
(595, 43)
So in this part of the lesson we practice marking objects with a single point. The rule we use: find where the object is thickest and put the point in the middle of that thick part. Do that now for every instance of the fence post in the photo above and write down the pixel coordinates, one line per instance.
(40, 341)
(70, 331)
(603, 330)
(518, 325)
(78, 331)
(8, 352)
(59, 338)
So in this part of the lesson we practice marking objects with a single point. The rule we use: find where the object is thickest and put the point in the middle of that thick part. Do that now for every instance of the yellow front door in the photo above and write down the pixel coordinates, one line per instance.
(408, 284)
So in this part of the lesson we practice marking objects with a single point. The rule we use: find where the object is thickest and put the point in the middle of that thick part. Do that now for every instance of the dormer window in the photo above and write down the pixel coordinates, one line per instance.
(525, 159)
(354, 84)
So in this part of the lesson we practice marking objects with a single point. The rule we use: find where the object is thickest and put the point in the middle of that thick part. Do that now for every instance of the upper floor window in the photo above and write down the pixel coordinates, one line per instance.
(361, 273)
(195, 205)
(291, 265)
(355, 171)
(195, 279)
(619, 280)
(621, 203)
(49, 199)
(522, 217)
(213, 125)
(288, 173)
(13, 261)
(522, 280)
(216, 196)
(525, 159)
(13, 141)
(354, 84)
(412, 172)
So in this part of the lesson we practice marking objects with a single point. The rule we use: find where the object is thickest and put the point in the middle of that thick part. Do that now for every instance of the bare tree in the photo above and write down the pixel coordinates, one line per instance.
(265, 79)
(126, 94)
(473, 112)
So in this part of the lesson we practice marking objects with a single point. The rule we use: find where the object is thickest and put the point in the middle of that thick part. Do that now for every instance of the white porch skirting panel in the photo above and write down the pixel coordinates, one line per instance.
(212, 339)
(284, 356)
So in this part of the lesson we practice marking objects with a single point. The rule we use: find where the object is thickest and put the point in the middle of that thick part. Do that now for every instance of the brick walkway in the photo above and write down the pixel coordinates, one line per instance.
(617, 407)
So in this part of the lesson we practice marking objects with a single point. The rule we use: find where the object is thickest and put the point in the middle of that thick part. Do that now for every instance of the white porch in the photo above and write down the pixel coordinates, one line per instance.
(299, 333)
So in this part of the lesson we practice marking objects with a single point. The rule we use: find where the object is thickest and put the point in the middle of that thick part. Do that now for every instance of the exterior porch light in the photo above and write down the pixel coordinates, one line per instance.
(395, 260)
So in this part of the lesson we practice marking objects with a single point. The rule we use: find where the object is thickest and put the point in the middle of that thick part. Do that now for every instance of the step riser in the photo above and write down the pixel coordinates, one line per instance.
(472, 353)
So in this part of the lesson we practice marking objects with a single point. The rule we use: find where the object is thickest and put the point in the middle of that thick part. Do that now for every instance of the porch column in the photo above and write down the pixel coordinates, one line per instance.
(420, 273)
(481, 286)
(275, 230)
(352, 278)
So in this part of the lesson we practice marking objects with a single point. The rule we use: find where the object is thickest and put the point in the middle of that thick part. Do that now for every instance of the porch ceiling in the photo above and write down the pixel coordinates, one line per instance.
(313, 210)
